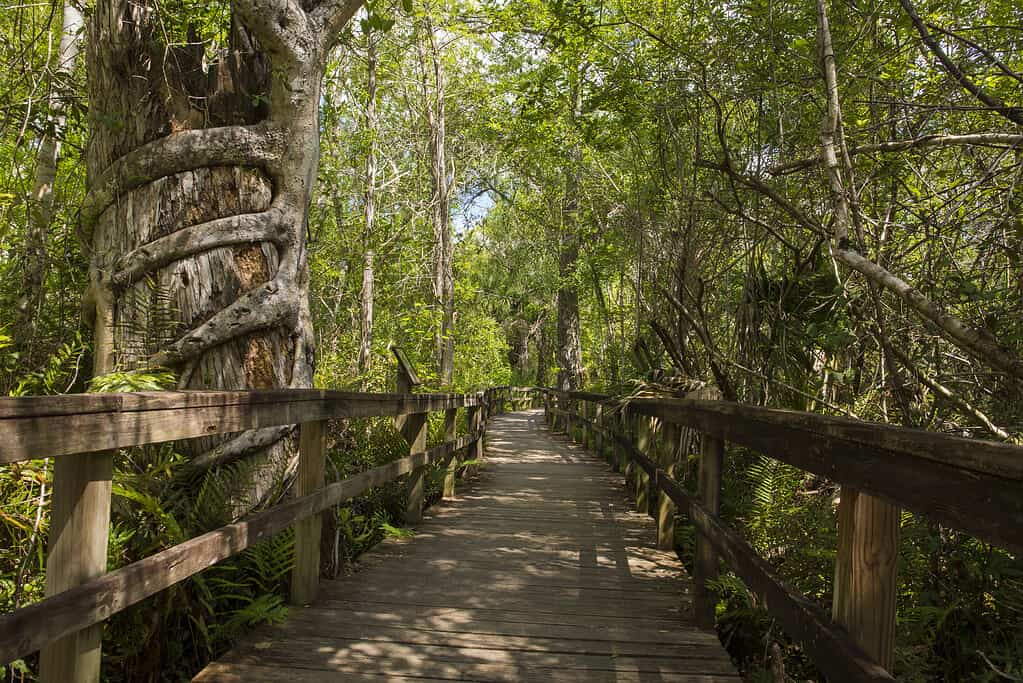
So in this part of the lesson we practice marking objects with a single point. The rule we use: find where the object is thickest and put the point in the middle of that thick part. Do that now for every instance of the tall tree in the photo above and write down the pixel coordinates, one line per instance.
(198, 191)
(369, 214)
(40, 206)
(436, 121)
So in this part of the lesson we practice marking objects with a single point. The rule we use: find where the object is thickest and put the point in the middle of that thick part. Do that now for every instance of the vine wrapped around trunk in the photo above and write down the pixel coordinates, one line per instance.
(199, 186)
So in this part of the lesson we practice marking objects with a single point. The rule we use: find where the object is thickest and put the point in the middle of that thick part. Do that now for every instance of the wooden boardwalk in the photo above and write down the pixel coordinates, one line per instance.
(538, 570)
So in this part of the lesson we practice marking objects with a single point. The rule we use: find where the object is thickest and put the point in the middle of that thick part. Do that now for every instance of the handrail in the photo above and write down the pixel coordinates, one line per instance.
(73, 424)
(971, 485)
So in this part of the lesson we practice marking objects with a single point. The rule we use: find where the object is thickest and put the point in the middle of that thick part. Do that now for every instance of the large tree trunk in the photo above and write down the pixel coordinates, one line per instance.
(366, 294)
(443, 275)
(40, 209)
(197, 204)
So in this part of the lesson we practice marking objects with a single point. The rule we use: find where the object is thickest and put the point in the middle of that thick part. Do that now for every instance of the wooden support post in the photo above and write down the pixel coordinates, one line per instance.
(414, 432)
(584, 427)
(305, 576)
(79, 531)
(473, 422)
(705, 564)
(866, 572)
(665, 506)
(450, 434)
(569, 414)
(643, 443)
(598, 436)
(628, 431)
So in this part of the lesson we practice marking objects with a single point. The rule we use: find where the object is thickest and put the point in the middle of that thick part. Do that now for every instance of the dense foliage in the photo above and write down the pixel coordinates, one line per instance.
(662, 163)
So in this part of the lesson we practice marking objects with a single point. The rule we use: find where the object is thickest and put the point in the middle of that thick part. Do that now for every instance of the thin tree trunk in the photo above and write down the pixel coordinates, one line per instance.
(570, 363)
(443, 251)
(366, 294)
(40, 210)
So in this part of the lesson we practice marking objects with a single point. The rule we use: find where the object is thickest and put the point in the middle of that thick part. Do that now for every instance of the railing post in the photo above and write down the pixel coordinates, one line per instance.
(584, 426)
(643, 442)
(666, 506)
(79, 531)
(619, 459)
(866, 584)
(414, 431)
(598, 435)
(450, 434)
(628, 431)
(705, 564)
(305, 576)
(473, 423)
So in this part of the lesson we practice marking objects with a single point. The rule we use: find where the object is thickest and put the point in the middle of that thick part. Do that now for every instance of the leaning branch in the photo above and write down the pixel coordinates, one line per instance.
(924, 142)
(948, 395)
(977, 344)
(1014, 114)
(257, 145)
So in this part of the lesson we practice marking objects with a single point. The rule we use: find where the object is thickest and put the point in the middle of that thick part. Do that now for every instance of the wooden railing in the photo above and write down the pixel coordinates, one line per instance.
(84, 431)
(971, 485)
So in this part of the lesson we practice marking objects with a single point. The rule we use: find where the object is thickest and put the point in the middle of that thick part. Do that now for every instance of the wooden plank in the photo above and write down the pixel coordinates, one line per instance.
(497, 585)
(440, 660)
(490, 673)
(866, 586)
(305, 575)
(978, 455)
(414, 431)
(451, 469)
(38, 427)
(665, 505)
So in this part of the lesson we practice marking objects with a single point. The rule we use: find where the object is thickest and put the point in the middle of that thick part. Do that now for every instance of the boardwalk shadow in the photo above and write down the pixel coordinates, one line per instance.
(537, 571)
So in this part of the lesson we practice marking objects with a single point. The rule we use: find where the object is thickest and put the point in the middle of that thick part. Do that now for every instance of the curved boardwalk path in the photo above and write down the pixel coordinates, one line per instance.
(538, 570)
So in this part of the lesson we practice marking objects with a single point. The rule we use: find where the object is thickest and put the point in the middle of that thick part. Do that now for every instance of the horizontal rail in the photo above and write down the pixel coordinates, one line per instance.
(46, 426)
(829, 645)
(979, 455)
(28, 629)
(971, 485)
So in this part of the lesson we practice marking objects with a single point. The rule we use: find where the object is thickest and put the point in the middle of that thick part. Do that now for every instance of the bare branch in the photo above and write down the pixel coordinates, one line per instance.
(924, 142)
(1014, 114)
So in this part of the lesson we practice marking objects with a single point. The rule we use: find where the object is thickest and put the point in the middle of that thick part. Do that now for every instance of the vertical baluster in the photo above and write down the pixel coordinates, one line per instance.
(305, 575)
(79, 531)
(450, 434)
(705, 564)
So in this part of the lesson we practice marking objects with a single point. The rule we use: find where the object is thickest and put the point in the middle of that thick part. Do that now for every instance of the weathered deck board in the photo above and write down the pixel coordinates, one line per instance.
(538, 571)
